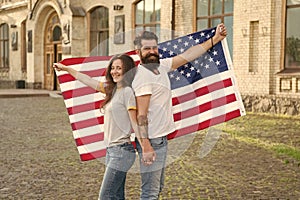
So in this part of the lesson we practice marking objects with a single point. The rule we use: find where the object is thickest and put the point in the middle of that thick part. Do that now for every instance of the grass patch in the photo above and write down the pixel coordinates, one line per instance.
(273, 132)
(280, 149)
(287, 150)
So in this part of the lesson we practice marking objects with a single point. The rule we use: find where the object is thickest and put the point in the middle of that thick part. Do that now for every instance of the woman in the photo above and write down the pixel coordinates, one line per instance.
(119, 108)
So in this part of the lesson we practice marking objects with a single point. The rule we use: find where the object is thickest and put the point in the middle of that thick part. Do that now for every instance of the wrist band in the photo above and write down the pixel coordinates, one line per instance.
(211, 39)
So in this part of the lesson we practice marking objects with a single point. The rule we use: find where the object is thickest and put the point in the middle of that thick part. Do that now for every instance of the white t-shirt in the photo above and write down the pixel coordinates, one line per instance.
(160, 115)
(117, 124)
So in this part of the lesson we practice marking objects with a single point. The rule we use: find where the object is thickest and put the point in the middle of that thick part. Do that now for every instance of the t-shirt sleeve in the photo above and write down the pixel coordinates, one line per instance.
(142, 84)
(144, 89)
(129, 99)
(166, 64)
(101, 87)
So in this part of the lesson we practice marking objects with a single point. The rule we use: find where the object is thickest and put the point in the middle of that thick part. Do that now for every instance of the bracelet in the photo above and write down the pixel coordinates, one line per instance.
(211, 39)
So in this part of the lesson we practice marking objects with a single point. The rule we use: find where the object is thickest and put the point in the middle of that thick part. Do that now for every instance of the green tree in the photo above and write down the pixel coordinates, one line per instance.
(293, 48)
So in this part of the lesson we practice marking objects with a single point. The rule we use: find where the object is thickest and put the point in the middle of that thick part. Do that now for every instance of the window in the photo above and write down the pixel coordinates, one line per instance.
(292, 35)
(212, 12)
(56, 34)
(23, 47)
(253, 43)
(147, 16)
(99, 31)
(4, 46)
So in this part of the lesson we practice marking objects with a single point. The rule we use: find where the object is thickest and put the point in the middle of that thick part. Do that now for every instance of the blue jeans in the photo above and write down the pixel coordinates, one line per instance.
(153, 175)
(119, 160)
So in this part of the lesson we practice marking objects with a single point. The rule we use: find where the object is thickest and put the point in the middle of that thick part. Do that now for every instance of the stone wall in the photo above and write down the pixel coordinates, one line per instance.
(272, 104)
(7, 84)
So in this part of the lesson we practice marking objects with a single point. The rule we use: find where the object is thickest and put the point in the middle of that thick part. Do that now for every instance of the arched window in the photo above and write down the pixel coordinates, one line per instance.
(212, 12)
(147, 16)
(4, 46)
(292, 35)
(23, 47)
(57, 33)
(99, 31)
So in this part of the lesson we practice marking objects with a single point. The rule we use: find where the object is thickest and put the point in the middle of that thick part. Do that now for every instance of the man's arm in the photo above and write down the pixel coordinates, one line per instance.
(149, 154)
(197, 50)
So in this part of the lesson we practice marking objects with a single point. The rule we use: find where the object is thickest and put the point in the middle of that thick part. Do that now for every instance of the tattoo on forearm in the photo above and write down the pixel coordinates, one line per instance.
(142, 120)
(143, 126)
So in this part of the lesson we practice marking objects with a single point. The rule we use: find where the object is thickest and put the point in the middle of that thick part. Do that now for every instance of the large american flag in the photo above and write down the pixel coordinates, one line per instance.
(204, 92)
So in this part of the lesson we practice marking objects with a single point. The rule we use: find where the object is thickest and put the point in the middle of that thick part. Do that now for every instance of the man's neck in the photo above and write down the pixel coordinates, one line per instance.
(153, 67)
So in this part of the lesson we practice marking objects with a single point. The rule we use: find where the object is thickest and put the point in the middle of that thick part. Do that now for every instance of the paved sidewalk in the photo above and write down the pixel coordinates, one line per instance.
(39, 158)
(15, 93)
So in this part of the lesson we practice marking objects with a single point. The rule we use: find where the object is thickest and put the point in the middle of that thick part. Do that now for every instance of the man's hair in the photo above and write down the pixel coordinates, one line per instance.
(145, 35)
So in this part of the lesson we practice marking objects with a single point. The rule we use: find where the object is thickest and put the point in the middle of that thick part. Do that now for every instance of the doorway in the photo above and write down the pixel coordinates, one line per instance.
(53, 51)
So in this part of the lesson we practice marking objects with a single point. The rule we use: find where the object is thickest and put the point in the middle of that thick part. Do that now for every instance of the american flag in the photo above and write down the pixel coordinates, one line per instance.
(204, 92)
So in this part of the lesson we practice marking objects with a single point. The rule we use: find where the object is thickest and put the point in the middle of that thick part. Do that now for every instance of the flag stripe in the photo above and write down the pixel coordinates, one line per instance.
(204, 107)
(221, 110)
(93, 59)
(203, 82)
(195, 101)
(76, 101)
(93, 73)
(205, 124)
(202, 91)
(80, 60)
(87, 131)
(87, 123)
(78, 92)
(89, 139)
(74, 85)
(91, 147)
(93, 155)
(84, 107)
(85, 115)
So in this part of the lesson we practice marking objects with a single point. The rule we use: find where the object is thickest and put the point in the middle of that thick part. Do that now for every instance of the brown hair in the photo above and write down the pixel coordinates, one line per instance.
(145, 35)
(129, 70)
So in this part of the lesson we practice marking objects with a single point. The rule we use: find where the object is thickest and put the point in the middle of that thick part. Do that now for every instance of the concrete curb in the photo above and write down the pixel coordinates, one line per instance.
(20, 93)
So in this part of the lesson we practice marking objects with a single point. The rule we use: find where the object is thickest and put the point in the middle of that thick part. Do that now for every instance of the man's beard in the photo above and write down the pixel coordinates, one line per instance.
(150, 61)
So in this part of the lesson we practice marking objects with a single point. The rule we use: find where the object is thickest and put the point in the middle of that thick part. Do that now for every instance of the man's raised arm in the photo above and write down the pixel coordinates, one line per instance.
(197, 50)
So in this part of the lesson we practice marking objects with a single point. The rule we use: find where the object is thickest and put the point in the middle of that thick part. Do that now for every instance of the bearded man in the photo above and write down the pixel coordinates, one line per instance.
(153, 97)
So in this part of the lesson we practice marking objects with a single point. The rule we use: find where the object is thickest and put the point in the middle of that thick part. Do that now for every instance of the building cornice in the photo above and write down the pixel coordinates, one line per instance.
(12, 6)
(39, 3)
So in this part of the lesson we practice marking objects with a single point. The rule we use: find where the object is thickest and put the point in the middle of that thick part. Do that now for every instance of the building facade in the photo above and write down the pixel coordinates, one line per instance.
(264, 39)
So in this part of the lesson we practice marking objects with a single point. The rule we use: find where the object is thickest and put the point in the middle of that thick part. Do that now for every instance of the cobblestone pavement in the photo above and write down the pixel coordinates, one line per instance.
(39, 160)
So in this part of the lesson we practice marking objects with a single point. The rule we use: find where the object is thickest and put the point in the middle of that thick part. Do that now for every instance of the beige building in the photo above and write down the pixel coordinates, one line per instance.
(264, 39)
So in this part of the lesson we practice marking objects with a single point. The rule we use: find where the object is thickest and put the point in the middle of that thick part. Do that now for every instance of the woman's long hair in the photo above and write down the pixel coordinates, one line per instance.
(129, 71)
